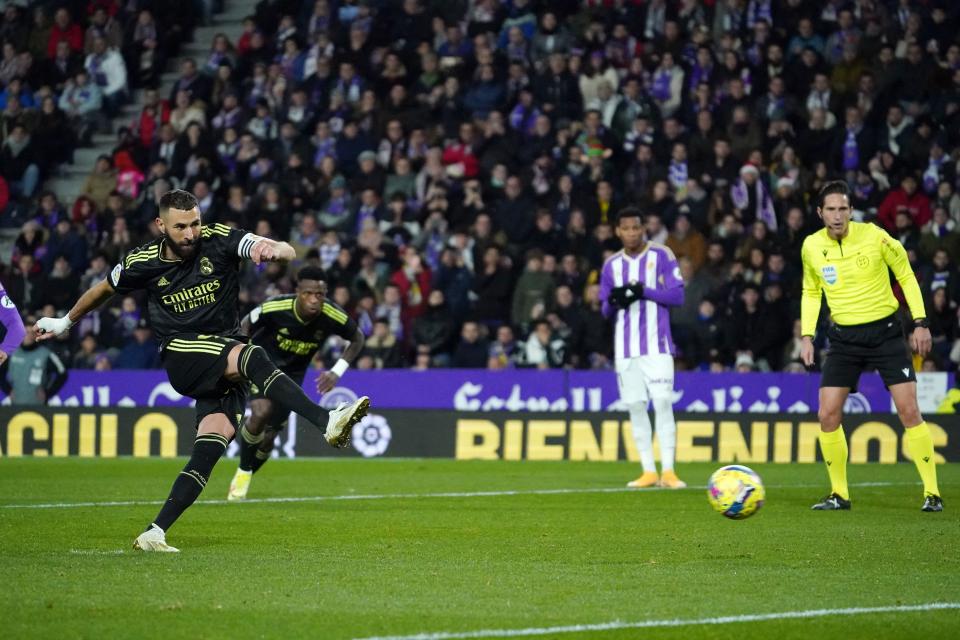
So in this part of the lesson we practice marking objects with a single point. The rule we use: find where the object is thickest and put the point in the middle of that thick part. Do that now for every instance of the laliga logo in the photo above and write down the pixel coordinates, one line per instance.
(335, 396)
(371, 436)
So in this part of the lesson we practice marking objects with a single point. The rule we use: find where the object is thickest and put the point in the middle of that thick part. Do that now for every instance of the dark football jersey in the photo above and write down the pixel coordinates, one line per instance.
(195, 296)
(290, 341)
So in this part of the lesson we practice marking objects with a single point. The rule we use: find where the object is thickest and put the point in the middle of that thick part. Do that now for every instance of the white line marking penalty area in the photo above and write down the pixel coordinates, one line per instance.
(674, 622)
(406, 496)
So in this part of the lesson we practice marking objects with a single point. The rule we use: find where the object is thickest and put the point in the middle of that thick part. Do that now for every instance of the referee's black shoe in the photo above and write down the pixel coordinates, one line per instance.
(832, 502)
(932, 503)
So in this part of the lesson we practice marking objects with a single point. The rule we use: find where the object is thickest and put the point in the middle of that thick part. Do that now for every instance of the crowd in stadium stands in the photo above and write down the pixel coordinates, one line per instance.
(456, 166)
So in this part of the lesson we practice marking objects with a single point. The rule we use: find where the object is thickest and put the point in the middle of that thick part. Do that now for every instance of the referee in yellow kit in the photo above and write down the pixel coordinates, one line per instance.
(848, 261)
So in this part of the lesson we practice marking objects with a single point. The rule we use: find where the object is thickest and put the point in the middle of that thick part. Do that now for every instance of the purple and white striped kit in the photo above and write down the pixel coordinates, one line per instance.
(644, 327)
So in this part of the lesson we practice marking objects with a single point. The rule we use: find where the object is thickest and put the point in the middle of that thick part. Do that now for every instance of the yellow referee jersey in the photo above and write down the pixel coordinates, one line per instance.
(853, 273)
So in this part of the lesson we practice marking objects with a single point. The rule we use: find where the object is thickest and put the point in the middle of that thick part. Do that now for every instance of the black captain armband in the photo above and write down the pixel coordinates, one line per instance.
(921, 323)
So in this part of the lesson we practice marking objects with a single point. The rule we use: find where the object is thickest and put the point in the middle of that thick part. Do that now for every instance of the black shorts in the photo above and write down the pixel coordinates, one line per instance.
(195, 364)
(876, 345)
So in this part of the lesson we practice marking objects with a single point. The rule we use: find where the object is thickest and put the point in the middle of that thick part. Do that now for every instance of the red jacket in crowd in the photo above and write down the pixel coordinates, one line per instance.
(916, 205)
(459, 153)
(4, 194)
(151, 118)
(414, 291)
(72, 34)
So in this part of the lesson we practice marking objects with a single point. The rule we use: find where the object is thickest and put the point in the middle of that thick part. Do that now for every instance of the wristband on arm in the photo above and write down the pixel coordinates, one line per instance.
(340, 368)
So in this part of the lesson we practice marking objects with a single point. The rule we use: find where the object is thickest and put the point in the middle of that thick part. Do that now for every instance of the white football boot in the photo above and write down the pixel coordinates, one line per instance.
(153, 539)
(239, 485)
(341, 421)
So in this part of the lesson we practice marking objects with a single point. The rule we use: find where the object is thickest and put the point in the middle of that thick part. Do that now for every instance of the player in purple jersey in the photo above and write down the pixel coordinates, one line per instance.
(12, 330)
(637, 285)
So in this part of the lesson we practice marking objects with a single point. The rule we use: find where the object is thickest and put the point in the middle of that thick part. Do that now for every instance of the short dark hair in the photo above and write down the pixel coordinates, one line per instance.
(177, 199)
(311, 272)
(630, 212)
(832, 187)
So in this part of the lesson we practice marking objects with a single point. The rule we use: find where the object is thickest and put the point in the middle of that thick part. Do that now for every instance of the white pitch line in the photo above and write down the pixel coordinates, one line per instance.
(675, 622)
(410, 496)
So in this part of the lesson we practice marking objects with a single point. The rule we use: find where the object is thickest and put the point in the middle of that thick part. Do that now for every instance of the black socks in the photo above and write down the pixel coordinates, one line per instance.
(255, 365)
(207, 449)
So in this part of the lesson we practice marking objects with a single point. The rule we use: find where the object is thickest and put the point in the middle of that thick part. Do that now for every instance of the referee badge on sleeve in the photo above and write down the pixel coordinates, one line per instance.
(829, 273)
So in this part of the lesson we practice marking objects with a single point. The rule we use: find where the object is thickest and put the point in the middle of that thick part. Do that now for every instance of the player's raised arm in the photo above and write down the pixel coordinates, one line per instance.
(47, 328)
(260, 249)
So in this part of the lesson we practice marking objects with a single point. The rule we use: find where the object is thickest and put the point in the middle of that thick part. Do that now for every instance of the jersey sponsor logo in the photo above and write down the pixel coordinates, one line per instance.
(829, 273)
(115, 275)
(206, 267)
(863, 262)
(192, 297)
(6, 302)
(299, 347)
(163, 282)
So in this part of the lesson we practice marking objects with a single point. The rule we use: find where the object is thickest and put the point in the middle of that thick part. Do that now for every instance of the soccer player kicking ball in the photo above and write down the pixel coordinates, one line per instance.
(191, 277)
(848, 262)
(637, 284)
(291, 328)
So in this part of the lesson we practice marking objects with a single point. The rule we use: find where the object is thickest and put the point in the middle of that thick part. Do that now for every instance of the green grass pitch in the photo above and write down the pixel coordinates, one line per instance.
(392, 563)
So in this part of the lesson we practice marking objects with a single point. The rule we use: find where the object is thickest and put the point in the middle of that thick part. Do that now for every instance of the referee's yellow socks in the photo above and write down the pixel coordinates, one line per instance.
(920, 445)
(833, 446)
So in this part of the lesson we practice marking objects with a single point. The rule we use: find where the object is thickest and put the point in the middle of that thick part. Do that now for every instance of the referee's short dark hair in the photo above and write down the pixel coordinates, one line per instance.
(834, 186)
(311, 272)
(630, 212)
(177, 199)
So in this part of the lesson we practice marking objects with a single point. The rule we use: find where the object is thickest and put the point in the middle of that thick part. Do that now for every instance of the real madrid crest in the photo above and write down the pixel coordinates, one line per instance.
(206, 267)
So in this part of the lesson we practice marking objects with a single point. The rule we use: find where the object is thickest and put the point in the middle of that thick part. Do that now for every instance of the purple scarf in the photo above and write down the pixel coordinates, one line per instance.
(661, 85)
(851, 151)
(741, 200)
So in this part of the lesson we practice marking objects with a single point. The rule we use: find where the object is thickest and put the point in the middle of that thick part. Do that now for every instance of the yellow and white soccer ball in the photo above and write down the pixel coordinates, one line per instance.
(735, 491)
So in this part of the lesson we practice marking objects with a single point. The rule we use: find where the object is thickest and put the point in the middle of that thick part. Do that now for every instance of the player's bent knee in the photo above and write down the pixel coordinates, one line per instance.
(261, 412)
(217, 423)
(232, 372)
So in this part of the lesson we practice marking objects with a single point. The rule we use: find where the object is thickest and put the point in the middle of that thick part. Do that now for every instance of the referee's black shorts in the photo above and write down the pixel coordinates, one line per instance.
(195, 364)
(877, 345)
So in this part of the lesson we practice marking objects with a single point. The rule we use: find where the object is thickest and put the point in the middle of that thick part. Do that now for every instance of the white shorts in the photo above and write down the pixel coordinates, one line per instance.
(645, 377)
